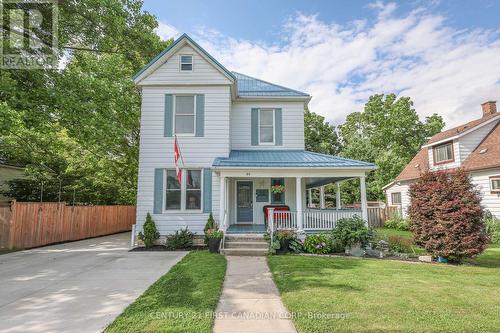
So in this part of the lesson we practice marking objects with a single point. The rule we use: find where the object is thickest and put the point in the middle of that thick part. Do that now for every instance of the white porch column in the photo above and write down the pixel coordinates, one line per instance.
(222, 201)
(337, 197)
(364, 203)
(322, 197)
(309, 203)
(298, 195)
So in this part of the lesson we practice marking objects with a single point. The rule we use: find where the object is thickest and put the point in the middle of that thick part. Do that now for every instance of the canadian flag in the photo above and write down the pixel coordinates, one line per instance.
(177, 156)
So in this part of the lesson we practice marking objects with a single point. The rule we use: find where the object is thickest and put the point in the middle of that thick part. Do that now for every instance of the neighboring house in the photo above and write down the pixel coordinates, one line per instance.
(8, 172)
(238, 137)
(474, 146)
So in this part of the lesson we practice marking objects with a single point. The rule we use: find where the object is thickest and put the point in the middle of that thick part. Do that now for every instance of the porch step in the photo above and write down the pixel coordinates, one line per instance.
(245, 238)
(244, 252)
(246, 244)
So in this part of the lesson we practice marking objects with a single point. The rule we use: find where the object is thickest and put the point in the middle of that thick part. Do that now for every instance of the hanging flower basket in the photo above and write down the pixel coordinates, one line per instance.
(278, 189)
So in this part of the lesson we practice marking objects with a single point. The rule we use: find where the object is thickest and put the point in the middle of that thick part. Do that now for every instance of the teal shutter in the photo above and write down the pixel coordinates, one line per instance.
(255, 127)
(207, 190)
(278, 127)
(158, 192)
(168, 125)
(200, 115)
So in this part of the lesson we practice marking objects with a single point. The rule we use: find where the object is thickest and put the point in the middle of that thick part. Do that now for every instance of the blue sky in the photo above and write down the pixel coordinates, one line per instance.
(443, 54)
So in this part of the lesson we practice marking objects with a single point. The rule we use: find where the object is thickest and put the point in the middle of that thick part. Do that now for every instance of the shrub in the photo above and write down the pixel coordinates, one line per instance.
(319, 244)
(400, 244)
(182, 239)
(149, 233)
(492, 227)
(213, 233)
(210, 225)
(350, 231)
(279, 238)
(446, 215)
(284, 234)
(396, 222)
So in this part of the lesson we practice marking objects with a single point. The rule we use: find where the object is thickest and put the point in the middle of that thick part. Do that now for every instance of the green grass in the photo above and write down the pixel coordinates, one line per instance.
(183, 300)
(376, 295)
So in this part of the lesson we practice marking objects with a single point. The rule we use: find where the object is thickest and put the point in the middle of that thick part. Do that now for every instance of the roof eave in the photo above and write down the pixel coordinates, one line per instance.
(357, 168)
(305, 98)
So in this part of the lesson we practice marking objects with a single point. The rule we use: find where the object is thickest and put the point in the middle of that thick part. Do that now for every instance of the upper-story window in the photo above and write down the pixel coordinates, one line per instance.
(396, 198)
(443, 153)
(184, 114)
(495, 184)
(186, 63)
(266, 126)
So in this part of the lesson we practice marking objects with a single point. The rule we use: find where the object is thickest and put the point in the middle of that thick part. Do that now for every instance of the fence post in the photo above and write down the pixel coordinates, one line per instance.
(12, 224)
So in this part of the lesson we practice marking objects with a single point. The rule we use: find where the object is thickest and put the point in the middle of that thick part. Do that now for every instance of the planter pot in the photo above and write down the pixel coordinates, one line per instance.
(355, 250)
(442, 260)
(213, 245)
(283, 246)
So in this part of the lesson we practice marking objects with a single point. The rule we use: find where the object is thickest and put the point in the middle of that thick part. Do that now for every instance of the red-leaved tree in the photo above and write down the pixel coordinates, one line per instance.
(446, 215)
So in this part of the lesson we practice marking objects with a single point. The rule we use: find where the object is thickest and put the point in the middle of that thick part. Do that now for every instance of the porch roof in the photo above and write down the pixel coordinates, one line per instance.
(287, 159)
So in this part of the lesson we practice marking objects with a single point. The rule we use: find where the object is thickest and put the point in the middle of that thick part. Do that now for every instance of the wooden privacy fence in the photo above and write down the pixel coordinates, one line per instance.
(378, 215)
(28, 224)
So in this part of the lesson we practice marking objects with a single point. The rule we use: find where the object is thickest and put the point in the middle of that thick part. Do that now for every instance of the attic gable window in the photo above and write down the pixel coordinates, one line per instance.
(186, 63)
(443, 153)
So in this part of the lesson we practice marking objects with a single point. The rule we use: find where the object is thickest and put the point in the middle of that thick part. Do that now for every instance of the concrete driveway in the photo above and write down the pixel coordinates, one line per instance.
(75, 287)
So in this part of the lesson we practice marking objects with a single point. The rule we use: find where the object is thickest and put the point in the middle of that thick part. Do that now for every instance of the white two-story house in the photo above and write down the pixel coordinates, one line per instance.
(474, 146)
(238, 136)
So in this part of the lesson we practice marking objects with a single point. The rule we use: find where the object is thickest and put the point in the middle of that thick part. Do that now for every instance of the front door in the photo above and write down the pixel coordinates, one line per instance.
(244, 201)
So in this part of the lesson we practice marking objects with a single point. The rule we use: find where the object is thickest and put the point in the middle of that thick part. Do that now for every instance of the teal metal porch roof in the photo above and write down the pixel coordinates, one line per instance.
(250, 86)
(287, 159)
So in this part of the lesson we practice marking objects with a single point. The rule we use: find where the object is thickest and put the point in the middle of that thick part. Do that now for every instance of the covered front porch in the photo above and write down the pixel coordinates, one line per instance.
(267, 190)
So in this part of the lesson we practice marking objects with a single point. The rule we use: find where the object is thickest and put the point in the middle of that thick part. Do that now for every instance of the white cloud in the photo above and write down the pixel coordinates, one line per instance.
(443, 70)
(166, 31)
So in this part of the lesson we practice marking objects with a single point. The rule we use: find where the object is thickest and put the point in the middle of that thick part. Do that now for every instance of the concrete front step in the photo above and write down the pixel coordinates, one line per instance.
(244, 252)
(245, 238)
(248, 245)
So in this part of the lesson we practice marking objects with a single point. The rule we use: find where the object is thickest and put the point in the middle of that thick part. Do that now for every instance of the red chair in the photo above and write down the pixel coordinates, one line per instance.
(276, 214)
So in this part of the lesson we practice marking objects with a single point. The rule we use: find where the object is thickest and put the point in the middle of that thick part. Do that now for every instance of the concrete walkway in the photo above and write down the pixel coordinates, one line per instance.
(75, 287)
(250, 301)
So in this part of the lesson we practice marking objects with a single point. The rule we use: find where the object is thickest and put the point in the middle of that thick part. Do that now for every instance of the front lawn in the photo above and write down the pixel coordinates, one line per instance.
(183, 300)
(330, 294)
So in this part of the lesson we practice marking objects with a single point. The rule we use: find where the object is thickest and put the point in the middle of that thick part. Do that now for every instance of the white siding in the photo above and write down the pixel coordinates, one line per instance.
(403, 188)
(470, 141)
(490, 201)
(156, 151)
(260, 183)
(451, 165)
(203, 71)
(293, 124)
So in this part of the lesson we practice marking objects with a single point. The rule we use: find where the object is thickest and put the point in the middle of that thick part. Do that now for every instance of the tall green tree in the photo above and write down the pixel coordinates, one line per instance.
(319, 135)
(76, 127)
(389, 133)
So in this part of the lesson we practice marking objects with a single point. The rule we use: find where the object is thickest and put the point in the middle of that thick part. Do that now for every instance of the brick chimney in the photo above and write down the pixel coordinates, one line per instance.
(489, 107)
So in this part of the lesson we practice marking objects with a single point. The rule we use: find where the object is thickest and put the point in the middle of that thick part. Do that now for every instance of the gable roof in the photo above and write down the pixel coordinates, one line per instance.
(417, 166)
(250, 86)
(165, 54)
(246, 86)
(462, 129)
(287, 158)
(487, 153)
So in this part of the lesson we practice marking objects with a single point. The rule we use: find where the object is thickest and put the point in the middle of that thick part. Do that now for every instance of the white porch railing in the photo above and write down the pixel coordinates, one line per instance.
(313, 219)
(326, 219)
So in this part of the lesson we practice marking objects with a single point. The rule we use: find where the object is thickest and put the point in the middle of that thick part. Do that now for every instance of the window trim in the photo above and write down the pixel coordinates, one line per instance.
(185, 63)
(492, 190)
(443, 161)
(282, 180)
(400, 199)
(195, 115)
(183, 193)
(273, 143)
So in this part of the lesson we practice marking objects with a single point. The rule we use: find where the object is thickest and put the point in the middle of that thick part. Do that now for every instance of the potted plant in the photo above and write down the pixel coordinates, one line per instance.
(278, 189)
(214, 238)
(284, 237)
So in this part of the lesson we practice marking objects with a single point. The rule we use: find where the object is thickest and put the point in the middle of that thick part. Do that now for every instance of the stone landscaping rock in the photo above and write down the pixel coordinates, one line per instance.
(425, 258)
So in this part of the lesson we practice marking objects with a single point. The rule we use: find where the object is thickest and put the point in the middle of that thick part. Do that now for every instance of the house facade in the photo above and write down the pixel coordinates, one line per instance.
(242, 149)
(474, 146)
